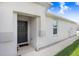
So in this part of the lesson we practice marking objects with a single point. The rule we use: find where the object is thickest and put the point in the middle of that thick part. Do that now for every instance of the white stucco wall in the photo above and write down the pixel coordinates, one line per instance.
(65, 29)
(8, 23)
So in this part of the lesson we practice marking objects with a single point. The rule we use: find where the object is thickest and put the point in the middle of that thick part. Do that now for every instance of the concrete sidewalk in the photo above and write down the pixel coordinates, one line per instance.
(49, 51)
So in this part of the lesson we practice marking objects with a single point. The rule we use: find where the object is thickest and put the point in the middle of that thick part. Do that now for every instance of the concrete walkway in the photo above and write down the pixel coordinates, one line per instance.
(49, 51)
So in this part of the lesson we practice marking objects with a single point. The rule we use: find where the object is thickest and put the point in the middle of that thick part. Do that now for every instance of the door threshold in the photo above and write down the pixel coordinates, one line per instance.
(23, 45)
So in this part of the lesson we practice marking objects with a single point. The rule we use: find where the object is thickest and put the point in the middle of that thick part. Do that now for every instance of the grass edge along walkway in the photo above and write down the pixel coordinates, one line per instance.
(76, 52)
(68, 51)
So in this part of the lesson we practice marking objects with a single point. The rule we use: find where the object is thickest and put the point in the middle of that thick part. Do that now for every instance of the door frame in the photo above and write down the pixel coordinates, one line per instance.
(37, 18)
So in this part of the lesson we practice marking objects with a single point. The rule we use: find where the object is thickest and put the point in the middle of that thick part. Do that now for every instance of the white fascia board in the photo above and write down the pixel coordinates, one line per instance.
(46, 4)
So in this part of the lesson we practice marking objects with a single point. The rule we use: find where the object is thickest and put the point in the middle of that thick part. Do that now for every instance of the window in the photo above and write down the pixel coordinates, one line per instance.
(55, 29)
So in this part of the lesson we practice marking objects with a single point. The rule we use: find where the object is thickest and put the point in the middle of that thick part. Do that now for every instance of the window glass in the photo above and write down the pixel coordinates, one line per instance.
(55, 29)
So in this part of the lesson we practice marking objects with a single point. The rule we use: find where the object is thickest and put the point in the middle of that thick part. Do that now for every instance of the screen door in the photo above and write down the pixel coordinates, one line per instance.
(22, 32)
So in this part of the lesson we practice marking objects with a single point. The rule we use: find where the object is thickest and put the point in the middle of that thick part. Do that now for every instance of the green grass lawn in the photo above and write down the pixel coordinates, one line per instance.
(76, 52)
(72, 50)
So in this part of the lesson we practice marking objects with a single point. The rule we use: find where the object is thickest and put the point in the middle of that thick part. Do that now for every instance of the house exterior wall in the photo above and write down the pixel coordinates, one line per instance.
(65, 30)
(8, 24)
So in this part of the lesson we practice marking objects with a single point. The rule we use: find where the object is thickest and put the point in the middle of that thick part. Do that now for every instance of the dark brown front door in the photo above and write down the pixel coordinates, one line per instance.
(22, 31)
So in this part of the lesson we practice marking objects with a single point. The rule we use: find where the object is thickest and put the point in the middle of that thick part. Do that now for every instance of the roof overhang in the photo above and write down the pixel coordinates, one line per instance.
(46, 4)
(57, 17)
